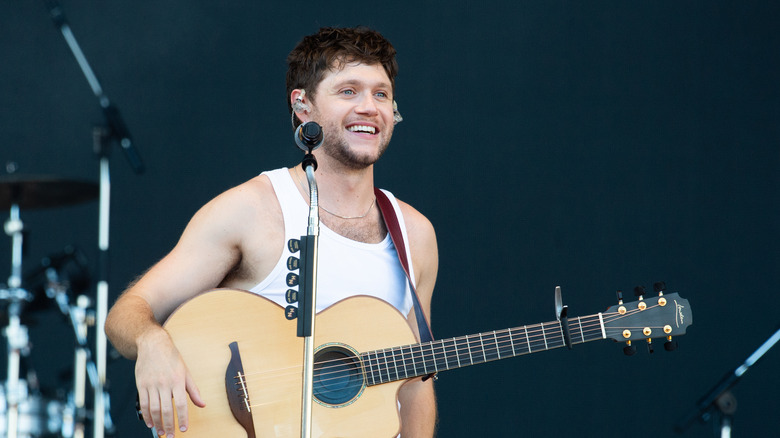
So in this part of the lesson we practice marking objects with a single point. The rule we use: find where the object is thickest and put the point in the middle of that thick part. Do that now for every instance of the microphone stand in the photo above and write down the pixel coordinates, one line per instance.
(115, 129)
(720, 397)
(308, 289)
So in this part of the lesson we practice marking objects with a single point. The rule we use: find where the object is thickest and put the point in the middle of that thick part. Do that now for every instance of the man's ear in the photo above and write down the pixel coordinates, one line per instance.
(299, 102)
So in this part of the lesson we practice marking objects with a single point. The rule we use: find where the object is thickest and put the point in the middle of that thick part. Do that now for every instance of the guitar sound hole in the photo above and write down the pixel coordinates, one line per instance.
(337, 376)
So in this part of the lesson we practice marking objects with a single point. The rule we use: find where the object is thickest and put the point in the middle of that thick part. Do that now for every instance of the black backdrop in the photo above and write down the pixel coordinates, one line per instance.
(593, 146)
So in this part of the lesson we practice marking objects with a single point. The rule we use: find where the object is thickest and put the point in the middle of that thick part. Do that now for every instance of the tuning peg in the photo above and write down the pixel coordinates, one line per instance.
(649, 345)
(620, 296)
(659, 287)
(640, 292)
(670, 345)
(629, 349)
(294, 245)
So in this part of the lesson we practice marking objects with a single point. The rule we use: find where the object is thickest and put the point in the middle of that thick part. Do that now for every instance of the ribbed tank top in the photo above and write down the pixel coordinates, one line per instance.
(345, 267)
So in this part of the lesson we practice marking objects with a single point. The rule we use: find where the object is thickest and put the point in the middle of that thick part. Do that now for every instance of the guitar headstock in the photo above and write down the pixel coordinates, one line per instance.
(661, 316)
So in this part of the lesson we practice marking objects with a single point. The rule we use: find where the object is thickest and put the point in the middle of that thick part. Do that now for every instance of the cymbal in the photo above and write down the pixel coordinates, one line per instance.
(41, 191)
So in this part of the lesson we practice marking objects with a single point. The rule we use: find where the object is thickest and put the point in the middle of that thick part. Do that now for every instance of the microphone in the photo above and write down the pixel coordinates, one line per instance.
(308, 136)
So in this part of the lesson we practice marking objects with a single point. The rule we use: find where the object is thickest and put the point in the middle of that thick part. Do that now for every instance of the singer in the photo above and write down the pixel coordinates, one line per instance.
(344, 80)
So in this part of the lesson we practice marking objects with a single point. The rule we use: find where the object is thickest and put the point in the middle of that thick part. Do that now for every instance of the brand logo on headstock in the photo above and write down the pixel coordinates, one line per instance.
(680, 318)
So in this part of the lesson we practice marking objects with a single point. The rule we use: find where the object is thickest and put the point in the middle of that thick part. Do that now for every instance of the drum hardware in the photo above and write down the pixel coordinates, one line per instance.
(43, 191)
(65, 273)
(15, 333)
(37, 416)
(25, 414)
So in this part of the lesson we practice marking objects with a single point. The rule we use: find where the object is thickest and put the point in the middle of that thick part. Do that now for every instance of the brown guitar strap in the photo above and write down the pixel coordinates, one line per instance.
(394, 228)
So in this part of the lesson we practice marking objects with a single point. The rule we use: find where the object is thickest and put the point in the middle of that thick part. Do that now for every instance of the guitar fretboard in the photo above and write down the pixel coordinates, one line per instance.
(391, 364)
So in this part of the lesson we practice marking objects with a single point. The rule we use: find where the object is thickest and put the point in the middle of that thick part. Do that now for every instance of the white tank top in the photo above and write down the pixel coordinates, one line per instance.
(345, 267)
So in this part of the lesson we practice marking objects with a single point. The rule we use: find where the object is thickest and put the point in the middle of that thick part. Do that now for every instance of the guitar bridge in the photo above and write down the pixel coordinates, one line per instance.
(235, 387)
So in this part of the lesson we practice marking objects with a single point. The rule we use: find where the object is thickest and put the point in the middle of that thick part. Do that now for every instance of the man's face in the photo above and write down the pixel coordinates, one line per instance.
(354, 105)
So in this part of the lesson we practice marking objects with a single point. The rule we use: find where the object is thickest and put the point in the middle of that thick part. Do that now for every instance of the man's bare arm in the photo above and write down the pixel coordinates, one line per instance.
(417, 397)
(208, 250)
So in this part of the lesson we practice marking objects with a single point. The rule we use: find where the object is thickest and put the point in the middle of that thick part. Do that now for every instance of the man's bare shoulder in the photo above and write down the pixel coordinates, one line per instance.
(252, 193)
(417, 225)
(245, 203)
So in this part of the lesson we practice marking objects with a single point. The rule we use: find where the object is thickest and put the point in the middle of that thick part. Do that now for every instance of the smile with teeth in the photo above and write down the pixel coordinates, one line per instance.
(362, 128)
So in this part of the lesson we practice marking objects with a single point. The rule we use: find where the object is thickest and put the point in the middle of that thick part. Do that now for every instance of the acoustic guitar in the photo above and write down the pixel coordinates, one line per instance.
(247, 361)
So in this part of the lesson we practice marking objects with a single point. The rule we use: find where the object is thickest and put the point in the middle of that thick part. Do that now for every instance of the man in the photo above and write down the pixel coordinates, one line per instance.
(344, 80)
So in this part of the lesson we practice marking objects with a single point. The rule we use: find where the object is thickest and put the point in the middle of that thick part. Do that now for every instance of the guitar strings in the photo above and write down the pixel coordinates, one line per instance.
(431, 347)
(536, 334)
(354, 387)
(428, 349)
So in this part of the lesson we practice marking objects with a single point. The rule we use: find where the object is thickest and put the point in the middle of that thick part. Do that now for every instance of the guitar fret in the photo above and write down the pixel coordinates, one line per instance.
(559, 341)
(422, 356)
(379, 367)
(371, 367)
(482, 346)
(468, 346)
(537, 343)
(512, 341)
(378, 359)
(474, 344)
(403, 360)
(440, 356)
(414, 361)
(395, 366)
(449, 346)
(506, 345)
(464, 355)
(582, 332)
(527, 339)
(491, 350)
(457, 355)
(366, 366)
(560, 324)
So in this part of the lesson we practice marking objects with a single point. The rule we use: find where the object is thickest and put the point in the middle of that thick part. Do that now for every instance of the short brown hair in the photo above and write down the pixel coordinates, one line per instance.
(332, 48)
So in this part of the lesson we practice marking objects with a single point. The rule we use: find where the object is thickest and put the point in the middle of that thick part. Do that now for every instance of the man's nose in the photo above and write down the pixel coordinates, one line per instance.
(367, 105)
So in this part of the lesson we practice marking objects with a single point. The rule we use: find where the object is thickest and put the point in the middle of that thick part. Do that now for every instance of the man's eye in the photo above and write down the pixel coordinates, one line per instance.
(349, 92)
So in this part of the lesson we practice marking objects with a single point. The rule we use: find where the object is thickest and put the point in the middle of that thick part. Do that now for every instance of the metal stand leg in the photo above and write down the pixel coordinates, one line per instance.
(15, 333)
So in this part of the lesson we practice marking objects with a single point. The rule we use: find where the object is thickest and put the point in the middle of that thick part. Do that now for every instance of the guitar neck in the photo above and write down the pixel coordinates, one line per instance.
(391, 364)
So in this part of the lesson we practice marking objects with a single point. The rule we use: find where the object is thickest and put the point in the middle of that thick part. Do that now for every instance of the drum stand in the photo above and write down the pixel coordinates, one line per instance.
(81, 318)
(15, 333)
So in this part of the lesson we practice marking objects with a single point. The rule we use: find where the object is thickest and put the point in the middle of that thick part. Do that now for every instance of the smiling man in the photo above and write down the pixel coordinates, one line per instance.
(343, 79)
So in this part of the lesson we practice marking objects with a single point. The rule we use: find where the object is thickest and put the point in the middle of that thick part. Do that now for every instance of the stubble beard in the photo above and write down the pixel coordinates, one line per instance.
(337, 147)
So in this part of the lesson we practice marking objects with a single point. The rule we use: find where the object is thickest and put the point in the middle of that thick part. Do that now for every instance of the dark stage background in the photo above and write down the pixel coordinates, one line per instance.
(593, 146)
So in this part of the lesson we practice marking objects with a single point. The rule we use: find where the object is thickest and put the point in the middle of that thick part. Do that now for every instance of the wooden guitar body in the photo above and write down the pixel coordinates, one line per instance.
(271, 357)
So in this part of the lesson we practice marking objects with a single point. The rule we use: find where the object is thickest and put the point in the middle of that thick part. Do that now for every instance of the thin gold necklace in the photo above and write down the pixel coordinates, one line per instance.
(303, 186)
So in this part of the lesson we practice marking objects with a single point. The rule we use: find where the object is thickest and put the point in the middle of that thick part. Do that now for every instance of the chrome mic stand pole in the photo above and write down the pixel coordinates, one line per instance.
(308, 136)
(309, 300)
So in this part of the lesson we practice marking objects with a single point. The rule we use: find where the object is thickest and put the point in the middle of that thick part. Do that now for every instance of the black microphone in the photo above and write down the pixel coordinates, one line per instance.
(308, 136)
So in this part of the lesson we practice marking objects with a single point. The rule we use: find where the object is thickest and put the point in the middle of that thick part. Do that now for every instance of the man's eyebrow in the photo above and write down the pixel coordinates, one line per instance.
(350, 81)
